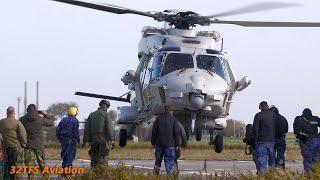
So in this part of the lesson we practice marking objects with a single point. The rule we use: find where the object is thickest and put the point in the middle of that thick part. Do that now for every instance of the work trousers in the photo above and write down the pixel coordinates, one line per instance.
(265, 155)
(34, 157)
(68, 151)
(98, 152)
(310, 152)
(169, 156)
(280, 149)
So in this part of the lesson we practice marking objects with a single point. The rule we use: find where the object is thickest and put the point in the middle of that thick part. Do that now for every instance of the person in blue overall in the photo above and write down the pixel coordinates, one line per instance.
(68, 135)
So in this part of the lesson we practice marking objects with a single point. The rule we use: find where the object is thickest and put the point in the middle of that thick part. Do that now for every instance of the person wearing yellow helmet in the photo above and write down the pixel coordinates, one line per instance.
(68, 134)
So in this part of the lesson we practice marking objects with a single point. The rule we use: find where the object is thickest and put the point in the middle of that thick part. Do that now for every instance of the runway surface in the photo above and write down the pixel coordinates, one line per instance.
(187, 166)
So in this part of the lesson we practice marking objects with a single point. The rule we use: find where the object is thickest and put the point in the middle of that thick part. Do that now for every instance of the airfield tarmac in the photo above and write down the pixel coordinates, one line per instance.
(188, 167)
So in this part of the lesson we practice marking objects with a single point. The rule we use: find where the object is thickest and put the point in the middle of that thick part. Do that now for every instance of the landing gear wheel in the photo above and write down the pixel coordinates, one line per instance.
(123, 137)
(218, 143)
(198, 134)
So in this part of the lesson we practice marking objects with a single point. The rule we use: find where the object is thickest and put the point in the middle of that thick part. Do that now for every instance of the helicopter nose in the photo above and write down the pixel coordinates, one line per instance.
(196, 101)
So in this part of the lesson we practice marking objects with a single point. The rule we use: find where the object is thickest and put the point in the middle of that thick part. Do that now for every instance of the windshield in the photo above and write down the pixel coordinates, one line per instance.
(177, 61)
(212, 64)
(156, 66)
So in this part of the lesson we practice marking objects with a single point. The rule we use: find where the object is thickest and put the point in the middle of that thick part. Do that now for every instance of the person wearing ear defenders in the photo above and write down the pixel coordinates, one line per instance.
(264, 137)
(68, 135)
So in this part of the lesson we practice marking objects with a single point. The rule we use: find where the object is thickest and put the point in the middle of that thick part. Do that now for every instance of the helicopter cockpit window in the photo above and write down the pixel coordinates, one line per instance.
(177, 61)
(156, 66)
(212, 64)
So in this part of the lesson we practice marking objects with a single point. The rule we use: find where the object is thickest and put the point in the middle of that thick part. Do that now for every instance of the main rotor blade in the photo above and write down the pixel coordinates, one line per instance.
(99, 96)
(263, 6)
(107, 8)
(267, 24)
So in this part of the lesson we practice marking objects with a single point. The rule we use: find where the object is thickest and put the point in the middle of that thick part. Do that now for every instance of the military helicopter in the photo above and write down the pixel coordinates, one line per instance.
(183, 68)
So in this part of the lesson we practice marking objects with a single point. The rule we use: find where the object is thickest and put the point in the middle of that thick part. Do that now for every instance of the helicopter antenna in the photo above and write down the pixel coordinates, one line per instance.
(222, 45)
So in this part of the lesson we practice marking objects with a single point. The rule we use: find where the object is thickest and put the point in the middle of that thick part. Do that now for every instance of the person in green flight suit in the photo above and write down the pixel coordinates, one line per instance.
(98, 132)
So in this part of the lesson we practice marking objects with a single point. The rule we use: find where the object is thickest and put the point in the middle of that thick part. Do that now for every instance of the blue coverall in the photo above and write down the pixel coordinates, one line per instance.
(68, 135)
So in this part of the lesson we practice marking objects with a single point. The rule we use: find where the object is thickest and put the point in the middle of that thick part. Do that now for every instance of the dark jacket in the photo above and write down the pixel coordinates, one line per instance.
(68, 128)
(13, 133)
(264, 126)
(98, 127)
(34, 124)
(281, 126)
(306, 126)
(165, 131)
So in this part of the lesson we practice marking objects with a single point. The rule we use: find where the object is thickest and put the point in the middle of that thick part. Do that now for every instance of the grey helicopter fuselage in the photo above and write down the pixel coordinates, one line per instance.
(183, 69)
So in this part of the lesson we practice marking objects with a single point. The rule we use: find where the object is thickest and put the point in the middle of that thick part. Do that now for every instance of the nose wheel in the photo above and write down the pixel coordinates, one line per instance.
(218, 143)
(123, 136)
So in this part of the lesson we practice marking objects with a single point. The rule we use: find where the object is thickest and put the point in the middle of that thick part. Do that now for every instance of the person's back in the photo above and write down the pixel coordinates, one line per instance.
(69, 127)
(264, 126)
(183, 137)
(98, 131)
(281, 126)
(264, 137)
(34, 124)
(165, 138)
(163, 134)
(14, 140)
(98, 127)
(68, 135)
(306, 130)
(10, 129)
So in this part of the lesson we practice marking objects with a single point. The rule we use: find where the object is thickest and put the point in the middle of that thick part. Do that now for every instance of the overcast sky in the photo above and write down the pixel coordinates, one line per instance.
(70, 48)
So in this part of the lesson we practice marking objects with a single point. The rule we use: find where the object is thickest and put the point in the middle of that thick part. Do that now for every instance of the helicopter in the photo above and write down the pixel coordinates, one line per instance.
(183, 68)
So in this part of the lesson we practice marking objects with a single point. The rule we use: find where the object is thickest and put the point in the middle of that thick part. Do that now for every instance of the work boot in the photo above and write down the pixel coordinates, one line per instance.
(156, 170)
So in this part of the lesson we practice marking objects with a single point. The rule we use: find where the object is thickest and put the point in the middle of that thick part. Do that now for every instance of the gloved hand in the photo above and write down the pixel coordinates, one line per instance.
(112, 145)
(302, 138)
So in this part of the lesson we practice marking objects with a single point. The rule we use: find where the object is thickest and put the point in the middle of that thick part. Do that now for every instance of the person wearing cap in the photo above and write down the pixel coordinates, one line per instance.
(68, 135)
(280, 137)
(98, 132)
(264, 137)
(305, 127)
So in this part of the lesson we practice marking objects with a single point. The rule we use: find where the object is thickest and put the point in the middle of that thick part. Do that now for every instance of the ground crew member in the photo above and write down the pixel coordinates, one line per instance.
(34, 124)
(183, 144)
(68, 135)
(14, 139)
(98, 132)
(2, 159)
(165, 138)
(280, 138)
(306, 130)
(264, 136)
